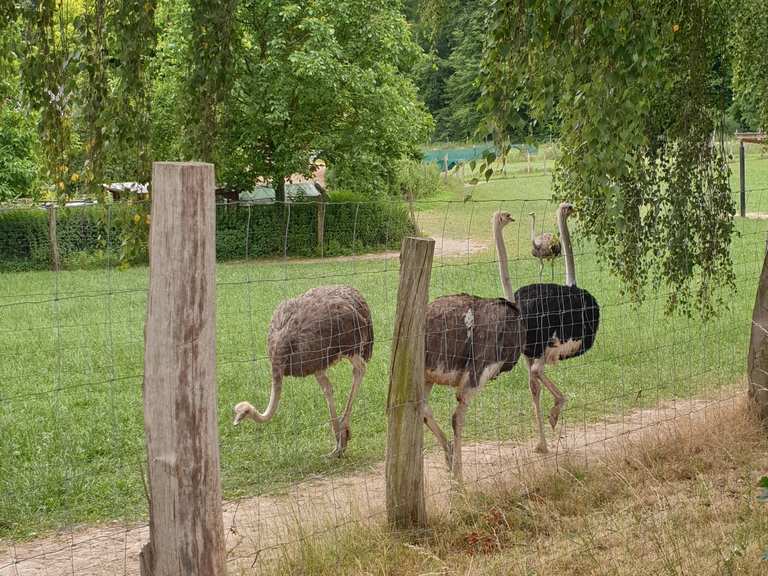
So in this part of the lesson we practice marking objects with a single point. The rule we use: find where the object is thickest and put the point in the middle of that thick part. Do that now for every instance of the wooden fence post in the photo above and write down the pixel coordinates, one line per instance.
(53, 238)
(405, 429)
(185, 513)
(742, 181)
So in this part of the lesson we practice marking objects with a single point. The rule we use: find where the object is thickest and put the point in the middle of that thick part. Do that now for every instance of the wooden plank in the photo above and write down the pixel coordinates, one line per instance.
(404, 466)
(186, 525)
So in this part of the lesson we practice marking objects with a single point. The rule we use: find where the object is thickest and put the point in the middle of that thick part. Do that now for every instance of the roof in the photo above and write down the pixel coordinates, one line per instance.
(134, 187)
(293, 192)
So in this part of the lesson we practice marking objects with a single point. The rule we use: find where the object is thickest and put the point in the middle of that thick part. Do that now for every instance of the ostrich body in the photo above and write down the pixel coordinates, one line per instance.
(469, 341)
(561, 322)
(545, 246)
(307, 335)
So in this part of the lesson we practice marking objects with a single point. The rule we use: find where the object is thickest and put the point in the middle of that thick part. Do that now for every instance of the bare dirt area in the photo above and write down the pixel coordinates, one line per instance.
(444, 248)
(258, 527)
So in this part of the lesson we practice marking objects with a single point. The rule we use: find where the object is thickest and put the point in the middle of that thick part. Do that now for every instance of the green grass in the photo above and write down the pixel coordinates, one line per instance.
(71, 358)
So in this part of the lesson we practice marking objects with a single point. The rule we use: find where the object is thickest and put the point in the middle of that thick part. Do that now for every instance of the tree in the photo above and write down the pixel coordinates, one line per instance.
(637, 88)
(321, 76)
(18, 151)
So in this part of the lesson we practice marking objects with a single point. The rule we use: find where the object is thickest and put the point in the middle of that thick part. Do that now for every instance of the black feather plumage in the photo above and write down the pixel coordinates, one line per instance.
(554, 311)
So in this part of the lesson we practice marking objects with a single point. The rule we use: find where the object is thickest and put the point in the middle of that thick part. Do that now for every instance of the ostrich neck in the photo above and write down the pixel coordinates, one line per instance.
(503, 263)
(533, 228)
(565, 242)
(274, 399)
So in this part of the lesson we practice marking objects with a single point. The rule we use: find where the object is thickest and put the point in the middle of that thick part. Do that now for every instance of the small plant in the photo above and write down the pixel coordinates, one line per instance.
(763, 497)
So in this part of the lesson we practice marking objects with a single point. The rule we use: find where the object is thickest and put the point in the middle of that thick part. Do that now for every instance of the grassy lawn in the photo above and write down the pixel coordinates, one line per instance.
(72, 358)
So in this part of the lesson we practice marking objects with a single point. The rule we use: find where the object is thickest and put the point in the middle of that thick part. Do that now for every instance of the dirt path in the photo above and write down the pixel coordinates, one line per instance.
(444, 248)
(258, 527)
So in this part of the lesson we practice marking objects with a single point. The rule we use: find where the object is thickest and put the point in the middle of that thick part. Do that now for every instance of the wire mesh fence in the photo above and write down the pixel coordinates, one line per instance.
(72, 488)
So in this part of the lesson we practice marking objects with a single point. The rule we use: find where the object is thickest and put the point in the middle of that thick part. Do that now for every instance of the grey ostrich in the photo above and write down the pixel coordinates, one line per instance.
(469, 341)
(307, 335)
(560, 322)
(545, 246)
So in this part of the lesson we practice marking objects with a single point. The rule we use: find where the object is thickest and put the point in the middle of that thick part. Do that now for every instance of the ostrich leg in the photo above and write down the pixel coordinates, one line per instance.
(463, 396)
(535, 385)
(325, 384)
(431, 423)
(541, 268)
(358, 371)
(560, 398)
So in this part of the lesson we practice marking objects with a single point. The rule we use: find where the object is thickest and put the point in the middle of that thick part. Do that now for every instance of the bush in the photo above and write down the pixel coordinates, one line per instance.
(352, 224)
(97, 236)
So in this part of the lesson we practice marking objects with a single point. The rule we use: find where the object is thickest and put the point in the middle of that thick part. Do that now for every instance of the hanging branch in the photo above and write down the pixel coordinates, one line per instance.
(49, 78)
(136, 38)
(211, 41)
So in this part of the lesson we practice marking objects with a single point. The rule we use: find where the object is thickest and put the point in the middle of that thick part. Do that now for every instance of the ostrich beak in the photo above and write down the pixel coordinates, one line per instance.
(238, 418)
(531, 213)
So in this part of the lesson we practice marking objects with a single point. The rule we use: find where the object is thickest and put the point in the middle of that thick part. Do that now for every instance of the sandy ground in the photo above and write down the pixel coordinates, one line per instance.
(257, 528)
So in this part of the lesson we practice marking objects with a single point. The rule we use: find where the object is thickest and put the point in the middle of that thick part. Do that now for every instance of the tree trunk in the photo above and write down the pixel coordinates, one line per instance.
(757, 361)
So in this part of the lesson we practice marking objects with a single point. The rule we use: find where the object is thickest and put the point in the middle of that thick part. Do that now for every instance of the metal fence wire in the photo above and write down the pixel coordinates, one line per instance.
(72, 456)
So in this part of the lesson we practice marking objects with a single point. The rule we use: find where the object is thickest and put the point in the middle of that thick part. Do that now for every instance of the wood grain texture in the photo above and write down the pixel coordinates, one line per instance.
(757, 362)
(405, 431)
(186, 527)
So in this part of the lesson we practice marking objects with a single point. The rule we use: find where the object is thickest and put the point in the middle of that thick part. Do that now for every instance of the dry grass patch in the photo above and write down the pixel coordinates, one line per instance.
(679, 500)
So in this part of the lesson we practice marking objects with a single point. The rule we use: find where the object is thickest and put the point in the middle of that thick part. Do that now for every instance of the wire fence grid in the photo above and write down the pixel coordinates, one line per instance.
(72, 495)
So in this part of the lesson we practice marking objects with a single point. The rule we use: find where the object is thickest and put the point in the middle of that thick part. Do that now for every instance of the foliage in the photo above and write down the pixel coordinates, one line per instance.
(321, 76)
(210, 40)
(119, 234)
(418, 181)
(18, 153)
(49, 69)
(639, 93)
(749, 46)
(129, 101)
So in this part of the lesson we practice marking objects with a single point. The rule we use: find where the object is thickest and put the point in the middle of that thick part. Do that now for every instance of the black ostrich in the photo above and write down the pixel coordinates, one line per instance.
(469, 341)
(561, 322)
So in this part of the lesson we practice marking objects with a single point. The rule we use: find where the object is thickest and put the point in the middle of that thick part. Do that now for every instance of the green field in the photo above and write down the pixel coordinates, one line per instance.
(71, 347)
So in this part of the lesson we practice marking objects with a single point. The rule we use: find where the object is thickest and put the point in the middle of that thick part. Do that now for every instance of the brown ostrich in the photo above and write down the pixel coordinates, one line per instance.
(469, 341)
(545, 246)
(307, 335)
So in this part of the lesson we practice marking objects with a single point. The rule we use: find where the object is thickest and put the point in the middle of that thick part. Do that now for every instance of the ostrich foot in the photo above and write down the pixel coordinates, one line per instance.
(541, 448)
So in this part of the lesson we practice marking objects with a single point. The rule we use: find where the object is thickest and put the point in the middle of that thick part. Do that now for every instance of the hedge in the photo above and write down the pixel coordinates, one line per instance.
(92, 236)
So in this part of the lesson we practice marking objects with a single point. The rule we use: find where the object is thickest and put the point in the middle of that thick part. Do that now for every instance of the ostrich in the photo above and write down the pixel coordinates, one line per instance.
(561, 322)
(307, 335)
(545, 246)
(469, 341)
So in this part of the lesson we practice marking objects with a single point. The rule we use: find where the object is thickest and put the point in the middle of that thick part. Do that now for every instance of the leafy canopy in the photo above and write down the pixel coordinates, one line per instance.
(637, 88)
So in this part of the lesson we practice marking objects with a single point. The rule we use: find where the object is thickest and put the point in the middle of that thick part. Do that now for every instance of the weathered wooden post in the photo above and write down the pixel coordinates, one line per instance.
(757, 362)
(742, 180)
(185, 514)
(53, 238)
(405, 429)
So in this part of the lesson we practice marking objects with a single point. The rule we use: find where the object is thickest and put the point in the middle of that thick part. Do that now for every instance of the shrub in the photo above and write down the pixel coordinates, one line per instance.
(96, 236)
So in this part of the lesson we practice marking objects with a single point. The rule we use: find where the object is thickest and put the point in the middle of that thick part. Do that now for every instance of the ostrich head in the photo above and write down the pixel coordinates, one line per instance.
(567, 209)
(501, 219)
(243, 410)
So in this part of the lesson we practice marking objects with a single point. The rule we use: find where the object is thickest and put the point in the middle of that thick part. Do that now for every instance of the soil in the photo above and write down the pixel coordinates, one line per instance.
(257, 528)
